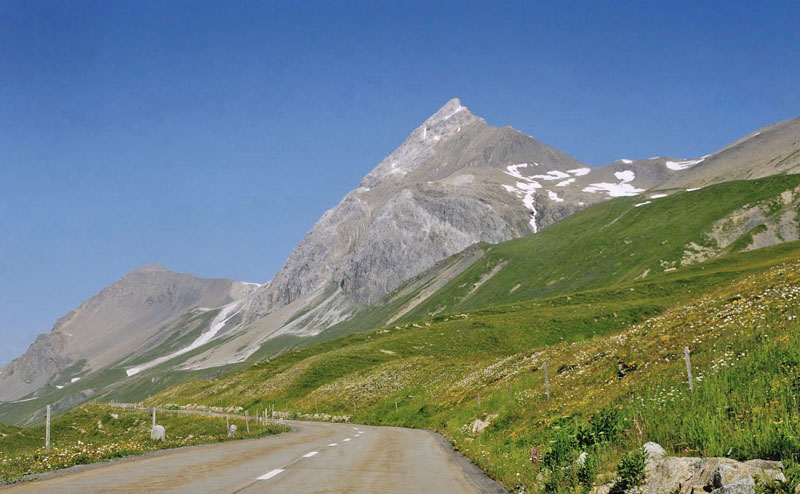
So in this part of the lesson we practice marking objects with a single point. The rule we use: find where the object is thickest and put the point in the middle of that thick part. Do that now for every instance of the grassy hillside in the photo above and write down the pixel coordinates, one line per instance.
(96, 432)
(616, 372)
(609, 243)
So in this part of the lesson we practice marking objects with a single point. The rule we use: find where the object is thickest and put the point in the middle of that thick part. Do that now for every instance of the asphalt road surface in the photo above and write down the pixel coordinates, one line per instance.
(315, 457)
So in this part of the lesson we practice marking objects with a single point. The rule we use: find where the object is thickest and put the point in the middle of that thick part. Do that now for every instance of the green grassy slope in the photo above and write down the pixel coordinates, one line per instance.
(615, 353)
(609, 243)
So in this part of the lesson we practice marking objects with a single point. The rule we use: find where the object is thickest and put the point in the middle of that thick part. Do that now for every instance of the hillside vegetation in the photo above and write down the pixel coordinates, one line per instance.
(97, 432)
(616, 373)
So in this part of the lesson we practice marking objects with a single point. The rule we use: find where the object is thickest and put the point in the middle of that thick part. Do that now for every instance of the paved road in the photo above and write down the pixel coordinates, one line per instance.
(314, 457)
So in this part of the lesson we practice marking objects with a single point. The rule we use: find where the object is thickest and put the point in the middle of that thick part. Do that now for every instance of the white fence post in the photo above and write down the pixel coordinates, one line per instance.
(688, 369)
(154, 416)
(546, 381)
(47, 430)
(247, 422)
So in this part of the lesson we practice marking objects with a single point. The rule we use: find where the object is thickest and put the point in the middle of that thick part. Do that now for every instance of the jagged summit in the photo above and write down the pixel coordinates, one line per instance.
(450, 120)
(445, 112)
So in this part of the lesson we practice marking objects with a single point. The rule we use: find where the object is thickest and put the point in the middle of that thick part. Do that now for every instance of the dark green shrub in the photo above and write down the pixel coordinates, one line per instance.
(587, 472)
(630, 472)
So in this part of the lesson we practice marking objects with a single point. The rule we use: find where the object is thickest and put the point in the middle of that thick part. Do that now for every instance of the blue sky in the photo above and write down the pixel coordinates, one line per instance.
(209, 136)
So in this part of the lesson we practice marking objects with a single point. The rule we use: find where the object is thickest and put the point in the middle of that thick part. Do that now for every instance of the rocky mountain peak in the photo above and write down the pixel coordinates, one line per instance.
(450, 120)
(151, 268)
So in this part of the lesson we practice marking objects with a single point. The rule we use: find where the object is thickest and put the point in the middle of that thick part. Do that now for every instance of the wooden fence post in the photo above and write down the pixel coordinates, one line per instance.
(247, 422)
(688, 369)
(154, 416)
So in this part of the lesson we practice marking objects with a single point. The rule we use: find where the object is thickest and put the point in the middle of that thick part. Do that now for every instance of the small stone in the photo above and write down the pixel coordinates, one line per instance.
(232, 430)
(158, 433)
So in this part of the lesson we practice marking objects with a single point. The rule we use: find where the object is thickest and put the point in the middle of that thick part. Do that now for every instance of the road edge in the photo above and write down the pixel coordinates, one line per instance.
(472, 472)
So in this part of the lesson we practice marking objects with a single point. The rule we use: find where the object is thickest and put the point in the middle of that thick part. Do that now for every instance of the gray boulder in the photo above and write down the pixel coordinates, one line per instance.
(654, 451)
(691, 475)
(158, 433)
(745, 485)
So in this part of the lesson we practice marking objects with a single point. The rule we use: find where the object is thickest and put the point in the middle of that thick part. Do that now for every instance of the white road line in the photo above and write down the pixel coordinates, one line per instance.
(309, 455)
(333, 444)
(355, 428)
(347, 439)
(271, 474)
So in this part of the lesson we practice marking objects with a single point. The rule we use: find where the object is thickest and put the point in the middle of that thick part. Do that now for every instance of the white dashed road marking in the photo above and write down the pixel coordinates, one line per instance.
(309, 455)
(333, 444)
(347, 439)
(271, 474)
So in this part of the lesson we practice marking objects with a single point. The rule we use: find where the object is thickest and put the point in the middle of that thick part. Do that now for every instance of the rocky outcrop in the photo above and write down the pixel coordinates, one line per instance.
(690, 475)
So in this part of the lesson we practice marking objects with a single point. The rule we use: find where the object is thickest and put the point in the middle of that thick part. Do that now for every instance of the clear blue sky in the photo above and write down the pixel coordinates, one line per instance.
(209, 136)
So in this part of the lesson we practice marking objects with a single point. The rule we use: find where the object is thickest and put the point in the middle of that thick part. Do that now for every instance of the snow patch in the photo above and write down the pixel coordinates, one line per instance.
(529, 186)
(682, 165)
(623, 188)
(614, 190)
(216, 325)
(74, 379)
(59, 387)
(565, 182)
(553, 196)
(460, 108)
(525, 189)
(579, 172)
(627, 162)
(625, 176)
(642, 204)
(693, 189)
(658, 196)
(552, 175)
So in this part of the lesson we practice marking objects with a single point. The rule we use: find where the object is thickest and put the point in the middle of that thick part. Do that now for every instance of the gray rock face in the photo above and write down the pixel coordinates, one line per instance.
(439, 192)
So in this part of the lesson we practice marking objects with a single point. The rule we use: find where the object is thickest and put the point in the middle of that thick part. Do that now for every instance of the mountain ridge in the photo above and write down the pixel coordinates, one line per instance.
(454, 182)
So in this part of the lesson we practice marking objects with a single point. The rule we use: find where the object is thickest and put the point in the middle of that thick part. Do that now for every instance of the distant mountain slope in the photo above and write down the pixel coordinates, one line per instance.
(772, 150)
(118, 322)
